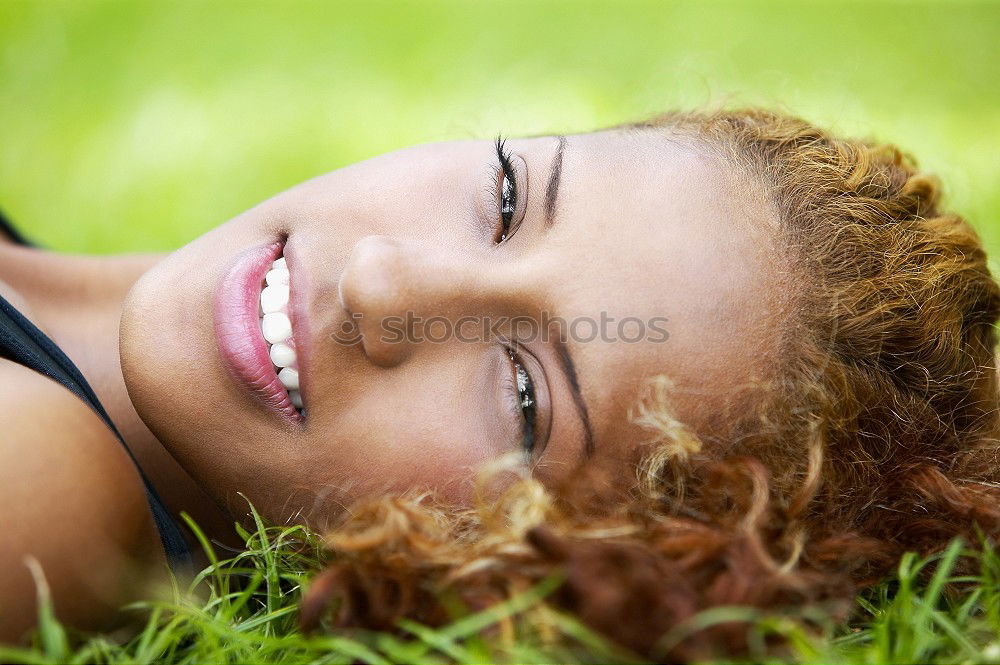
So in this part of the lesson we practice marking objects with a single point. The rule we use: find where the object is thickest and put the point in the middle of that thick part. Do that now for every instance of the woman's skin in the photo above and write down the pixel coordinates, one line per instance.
(622, 223)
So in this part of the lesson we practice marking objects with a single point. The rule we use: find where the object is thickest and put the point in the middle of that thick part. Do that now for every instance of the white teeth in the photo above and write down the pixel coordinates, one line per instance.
(289, 378)
(282, 355)
(273, 298)
(276, 327)
(277, 276)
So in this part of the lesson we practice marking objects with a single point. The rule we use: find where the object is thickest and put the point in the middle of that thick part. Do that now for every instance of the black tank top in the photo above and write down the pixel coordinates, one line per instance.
(22, 342)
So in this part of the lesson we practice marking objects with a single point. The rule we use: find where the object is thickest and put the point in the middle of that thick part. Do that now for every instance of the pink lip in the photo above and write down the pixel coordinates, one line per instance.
(237, 328)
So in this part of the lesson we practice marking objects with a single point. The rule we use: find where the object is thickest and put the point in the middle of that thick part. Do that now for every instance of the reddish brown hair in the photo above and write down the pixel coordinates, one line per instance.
(876, 435)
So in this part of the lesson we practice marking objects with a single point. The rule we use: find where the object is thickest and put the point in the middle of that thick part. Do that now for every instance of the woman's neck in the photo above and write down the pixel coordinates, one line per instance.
(77, 301)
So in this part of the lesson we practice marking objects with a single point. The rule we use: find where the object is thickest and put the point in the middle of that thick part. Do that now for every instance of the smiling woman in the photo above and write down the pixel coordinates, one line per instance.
(727, 357)
(527, 230)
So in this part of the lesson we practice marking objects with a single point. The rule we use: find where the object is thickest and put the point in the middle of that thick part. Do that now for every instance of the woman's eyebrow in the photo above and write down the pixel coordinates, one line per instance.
(552, 189)
(562, 350)
(569, 370)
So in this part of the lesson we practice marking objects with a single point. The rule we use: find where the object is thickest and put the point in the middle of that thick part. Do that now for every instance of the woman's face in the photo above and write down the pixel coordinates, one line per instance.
(448, 306)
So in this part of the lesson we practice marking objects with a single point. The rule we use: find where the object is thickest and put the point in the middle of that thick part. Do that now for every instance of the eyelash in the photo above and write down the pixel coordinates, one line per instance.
(520, 389)
(518, 384)
(506, 196)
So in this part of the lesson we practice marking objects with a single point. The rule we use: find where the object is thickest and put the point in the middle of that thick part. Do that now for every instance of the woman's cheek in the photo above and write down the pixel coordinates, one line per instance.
(444, 459)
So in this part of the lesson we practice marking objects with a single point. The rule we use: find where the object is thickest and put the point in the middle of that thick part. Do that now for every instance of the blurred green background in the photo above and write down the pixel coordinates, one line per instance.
(138, 125)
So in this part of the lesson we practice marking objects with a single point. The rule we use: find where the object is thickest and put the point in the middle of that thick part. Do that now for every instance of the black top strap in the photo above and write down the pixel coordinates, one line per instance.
(14, 234)
(22, 342)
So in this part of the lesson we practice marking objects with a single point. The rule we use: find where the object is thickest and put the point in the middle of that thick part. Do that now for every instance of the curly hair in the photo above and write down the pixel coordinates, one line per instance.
(877, 433)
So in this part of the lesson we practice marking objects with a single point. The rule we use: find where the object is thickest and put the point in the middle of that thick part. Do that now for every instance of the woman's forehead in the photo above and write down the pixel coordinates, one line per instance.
(663, 239)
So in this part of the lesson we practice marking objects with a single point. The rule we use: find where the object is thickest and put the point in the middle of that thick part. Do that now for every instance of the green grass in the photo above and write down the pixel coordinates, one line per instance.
(137, 126)
(244, 609)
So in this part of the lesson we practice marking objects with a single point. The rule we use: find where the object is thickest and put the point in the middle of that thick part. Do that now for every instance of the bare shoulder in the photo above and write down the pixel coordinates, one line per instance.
(71, 498)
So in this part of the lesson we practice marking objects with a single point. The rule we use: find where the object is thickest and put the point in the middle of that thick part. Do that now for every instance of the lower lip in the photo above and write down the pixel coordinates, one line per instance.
(237, 329)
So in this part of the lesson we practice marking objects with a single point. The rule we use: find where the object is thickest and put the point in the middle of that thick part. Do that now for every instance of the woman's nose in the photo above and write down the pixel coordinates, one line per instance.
(391, 286)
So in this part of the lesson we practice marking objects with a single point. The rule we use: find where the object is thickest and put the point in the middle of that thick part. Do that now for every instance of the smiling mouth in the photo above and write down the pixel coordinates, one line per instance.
(276, 327)
(253, 329)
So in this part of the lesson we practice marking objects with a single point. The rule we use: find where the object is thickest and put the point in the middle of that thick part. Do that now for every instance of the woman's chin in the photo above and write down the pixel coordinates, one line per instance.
(169, 361)
(159, 369)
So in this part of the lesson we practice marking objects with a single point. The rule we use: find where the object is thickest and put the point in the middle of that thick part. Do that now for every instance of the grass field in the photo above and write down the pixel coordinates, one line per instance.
(128, 126)
(245, 612)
